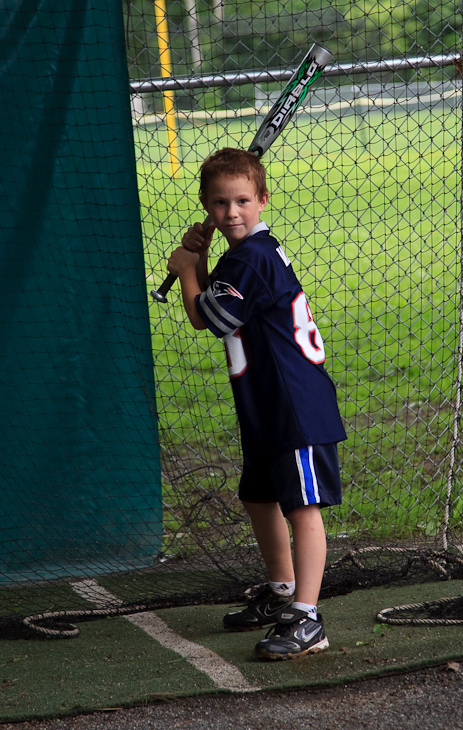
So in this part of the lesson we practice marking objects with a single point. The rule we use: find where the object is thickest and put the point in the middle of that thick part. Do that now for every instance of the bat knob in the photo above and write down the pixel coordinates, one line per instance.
(158, 297)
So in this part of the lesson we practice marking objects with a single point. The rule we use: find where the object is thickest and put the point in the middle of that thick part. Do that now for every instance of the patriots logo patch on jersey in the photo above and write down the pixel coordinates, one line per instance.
(222, 289)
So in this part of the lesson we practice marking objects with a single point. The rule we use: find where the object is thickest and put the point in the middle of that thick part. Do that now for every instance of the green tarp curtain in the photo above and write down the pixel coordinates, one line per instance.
(79, 457)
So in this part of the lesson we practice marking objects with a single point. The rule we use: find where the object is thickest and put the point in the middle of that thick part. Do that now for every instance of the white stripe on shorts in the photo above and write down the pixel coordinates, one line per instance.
(307, 476)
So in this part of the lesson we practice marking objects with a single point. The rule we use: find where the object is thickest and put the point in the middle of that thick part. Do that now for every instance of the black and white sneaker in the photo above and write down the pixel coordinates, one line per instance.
(261, 611)
(295, 635)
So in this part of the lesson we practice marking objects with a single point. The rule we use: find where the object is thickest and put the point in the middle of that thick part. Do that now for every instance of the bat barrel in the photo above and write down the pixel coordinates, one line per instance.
(290, 98)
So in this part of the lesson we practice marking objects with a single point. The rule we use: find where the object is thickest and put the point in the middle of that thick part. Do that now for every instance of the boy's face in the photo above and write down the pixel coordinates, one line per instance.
(234, 206)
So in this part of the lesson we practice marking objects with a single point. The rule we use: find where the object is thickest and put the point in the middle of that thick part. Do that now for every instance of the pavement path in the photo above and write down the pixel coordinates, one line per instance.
(430, 699)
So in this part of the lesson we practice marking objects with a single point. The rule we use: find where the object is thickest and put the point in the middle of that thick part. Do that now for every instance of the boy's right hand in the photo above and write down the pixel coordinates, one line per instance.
(196, 239)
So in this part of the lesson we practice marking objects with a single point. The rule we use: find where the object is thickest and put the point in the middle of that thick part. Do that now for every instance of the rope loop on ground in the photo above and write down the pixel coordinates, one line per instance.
(413, 613)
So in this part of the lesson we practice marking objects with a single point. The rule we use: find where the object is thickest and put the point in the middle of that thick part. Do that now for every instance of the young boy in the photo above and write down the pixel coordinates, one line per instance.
(285, 401)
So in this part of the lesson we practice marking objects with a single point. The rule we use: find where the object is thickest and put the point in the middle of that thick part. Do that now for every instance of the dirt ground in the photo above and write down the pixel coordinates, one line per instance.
(430, 699)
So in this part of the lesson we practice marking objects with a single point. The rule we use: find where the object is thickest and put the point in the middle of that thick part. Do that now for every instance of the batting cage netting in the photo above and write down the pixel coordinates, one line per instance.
(120, 453)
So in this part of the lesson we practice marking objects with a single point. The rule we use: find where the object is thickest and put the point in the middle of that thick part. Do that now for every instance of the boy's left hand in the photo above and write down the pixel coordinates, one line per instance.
(180, 260)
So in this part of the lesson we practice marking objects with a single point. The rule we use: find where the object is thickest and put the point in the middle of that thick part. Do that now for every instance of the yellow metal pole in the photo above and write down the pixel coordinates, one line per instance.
(168, 96)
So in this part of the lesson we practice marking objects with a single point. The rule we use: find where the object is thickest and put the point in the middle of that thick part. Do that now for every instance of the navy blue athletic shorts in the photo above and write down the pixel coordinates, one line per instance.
(301, 477)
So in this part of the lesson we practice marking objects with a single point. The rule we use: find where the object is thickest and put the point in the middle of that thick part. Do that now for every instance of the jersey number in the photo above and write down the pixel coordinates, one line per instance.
(236, 356)
(306, 335)
(306, 331)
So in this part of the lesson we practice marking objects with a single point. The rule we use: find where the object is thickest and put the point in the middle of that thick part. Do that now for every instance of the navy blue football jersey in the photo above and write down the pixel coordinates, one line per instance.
(284, 397)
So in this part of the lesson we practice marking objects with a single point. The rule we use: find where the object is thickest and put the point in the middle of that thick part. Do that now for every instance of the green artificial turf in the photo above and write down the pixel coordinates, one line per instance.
(115, 664)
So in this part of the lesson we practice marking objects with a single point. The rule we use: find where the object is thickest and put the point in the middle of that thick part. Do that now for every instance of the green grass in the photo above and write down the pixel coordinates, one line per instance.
(372, 226)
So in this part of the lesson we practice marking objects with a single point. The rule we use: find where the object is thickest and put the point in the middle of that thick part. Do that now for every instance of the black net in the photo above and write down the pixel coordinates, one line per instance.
(365, 194)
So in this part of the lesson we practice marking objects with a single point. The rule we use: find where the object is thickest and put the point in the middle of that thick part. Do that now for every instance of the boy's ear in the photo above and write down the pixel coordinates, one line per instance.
(203, 201)
(264, 201)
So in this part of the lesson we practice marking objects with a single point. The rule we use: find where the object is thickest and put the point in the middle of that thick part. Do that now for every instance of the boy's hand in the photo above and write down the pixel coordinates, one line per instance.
(196, 239)
(181, 260)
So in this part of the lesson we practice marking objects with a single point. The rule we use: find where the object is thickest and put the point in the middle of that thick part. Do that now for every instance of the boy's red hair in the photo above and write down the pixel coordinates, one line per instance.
(235, 163)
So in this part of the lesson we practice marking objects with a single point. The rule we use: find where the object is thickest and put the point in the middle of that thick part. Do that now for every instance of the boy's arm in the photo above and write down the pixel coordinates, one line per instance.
(184, 264)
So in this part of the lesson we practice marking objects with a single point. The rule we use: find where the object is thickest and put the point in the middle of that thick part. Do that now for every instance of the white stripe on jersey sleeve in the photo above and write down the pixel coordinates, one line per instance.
(211, 316)
(228, 323)
(281, 253)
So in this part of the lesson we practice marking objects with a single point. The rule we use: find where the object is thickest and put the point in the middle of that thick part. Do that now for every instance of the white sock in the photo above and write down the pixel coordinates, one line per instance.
(283, 589)
(311, 610)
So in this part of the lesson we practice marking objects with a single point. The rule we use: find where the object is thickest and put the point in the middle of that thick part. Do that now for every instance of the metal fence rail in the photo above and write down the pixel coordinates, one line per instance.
(181, 83)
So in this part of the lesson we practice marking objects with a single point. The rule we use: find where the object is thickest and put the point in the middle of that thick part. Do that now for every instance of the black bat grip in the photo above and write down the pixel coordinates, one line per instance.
(160, 294)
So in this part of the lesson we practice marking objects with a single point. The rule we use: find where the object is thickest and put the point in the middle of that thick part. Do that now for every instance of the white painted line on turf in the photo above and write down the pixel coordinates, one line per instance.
(222, 673)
